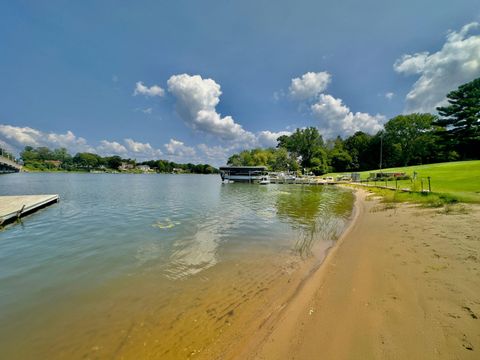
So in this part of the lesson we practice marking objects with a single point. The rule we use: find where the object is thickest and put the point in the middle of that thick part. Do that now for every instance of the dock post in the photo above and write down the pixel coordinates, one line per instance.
(429, 187)
(421, 180)
(19, 212)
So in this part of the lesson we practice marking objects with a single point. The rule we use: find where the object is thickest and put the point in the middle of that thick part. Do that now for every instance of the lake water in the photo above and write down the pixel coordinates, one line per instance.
(155, 266)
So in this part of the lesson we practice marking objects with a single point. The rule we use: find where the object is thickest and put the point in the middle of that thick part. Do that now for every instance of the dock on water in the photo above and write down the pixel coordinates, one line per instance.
(13, 207)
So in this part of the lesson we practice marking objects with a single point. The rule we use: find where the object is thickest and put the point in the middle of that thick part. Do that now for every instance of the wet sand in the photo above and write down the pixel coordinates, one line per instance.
(402, 283)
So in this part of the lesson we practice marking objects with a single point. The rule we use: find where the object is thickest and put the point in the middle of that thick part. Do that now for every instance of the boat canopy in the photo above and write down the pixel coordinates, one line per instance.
(242, 173)
(243, 168)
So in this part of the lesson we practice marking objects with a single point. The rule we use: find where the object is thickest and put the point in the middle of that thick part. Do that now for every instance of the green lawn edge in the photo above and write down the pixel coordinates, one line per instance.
(457, 181)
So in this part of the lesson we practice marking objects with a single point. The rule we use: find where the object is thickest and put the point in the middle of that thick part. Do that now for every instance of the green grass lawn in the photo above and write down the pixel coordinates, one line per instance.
(459, 179)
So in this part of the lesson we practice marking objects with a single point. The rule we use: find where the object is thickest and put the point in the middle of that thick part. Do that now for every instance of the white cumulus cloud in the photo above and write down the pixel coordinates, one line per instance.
(213, 151)
(389, 95)
(337, 119)
(215, 155)
(179, 149)
(309, 85)
(411, 64)
(111, 148)
(154, 90)
(143, 149)
(218, 154)
(20, 137)
(457, 62)
(269, 138)
(15, 138)
(196, 101)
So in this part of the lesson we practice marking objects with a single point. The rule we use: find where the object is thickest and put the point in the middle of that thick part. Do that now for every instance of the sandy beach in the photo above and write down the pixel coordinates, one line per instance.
(403, 282)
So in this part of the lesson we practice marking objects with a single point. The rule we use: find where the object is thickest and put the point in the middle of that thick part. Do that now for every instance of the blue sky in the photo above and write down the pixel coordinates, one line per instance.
(224, 71)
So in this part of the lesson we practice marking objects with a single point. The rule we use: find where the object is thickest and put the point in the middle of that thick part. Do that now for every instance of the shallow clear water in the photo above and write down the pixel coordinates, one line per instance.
(152, 265)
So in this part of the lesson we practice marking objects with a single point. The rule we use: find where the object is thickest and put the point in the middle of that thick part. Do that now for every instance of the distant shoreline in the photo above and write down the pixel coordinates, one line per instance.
(103, 172)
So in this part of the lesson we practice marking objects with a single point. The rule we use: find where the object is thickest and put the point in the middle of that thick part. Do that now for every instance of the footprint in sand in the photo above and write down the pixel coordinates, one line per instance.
(467, 344)
(455, 316)
(470, 312)
(472, 258)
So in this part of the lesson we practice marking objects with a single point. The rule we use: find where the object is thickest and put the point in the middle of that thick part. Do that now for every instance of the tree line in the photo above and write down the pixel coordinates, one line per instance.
(45, 159)
(412, 139)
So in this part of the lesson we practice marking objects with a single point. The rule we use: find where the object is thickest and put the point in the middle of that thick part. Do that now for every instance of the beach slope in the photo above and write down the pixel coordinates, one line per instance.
(402, 283)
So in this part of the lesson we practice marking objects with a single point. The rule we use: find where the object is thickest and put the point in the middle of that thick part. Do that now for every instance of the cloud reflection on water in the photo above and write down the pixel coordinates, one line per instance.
(245, 216)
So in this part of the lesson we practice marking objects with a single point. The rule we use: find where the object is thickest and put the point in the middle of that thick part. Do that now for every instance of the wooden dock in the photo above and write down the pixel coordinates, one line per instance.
(16, 206)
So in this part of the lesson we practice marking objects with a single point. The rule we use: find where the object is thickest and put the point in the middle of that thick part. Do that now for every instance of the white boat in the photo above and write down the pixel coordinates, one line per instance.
(264, 180)
(282, 178)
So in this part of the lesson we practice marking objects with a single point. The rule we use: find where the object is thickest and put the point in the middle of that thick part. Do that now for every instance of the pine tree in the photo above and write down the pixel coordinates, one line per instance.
(462, 119)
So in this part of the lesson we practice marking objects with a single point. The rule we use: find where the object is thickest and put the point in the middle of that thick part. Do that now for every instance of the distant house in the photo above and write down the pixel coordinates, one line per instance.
(144, 168)
(177, 171)
(126, 166)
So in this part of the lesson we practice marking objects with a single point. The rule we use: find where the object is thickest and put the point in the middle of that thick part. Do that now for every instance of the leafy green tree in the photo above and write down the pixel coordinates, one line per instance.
(40, 158)
(262, 157)
(161, 166)
(44, 153)
(234, 160)
(87, 160)
(274, 159)
(359, 146)
(411, 138)
(28, 155)
(281, 160)
(306, 144)
(318, 164)
(244, 158)
(113, 162)
(254, 157)
(462, 119)
(339, 158)
(61, 155)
